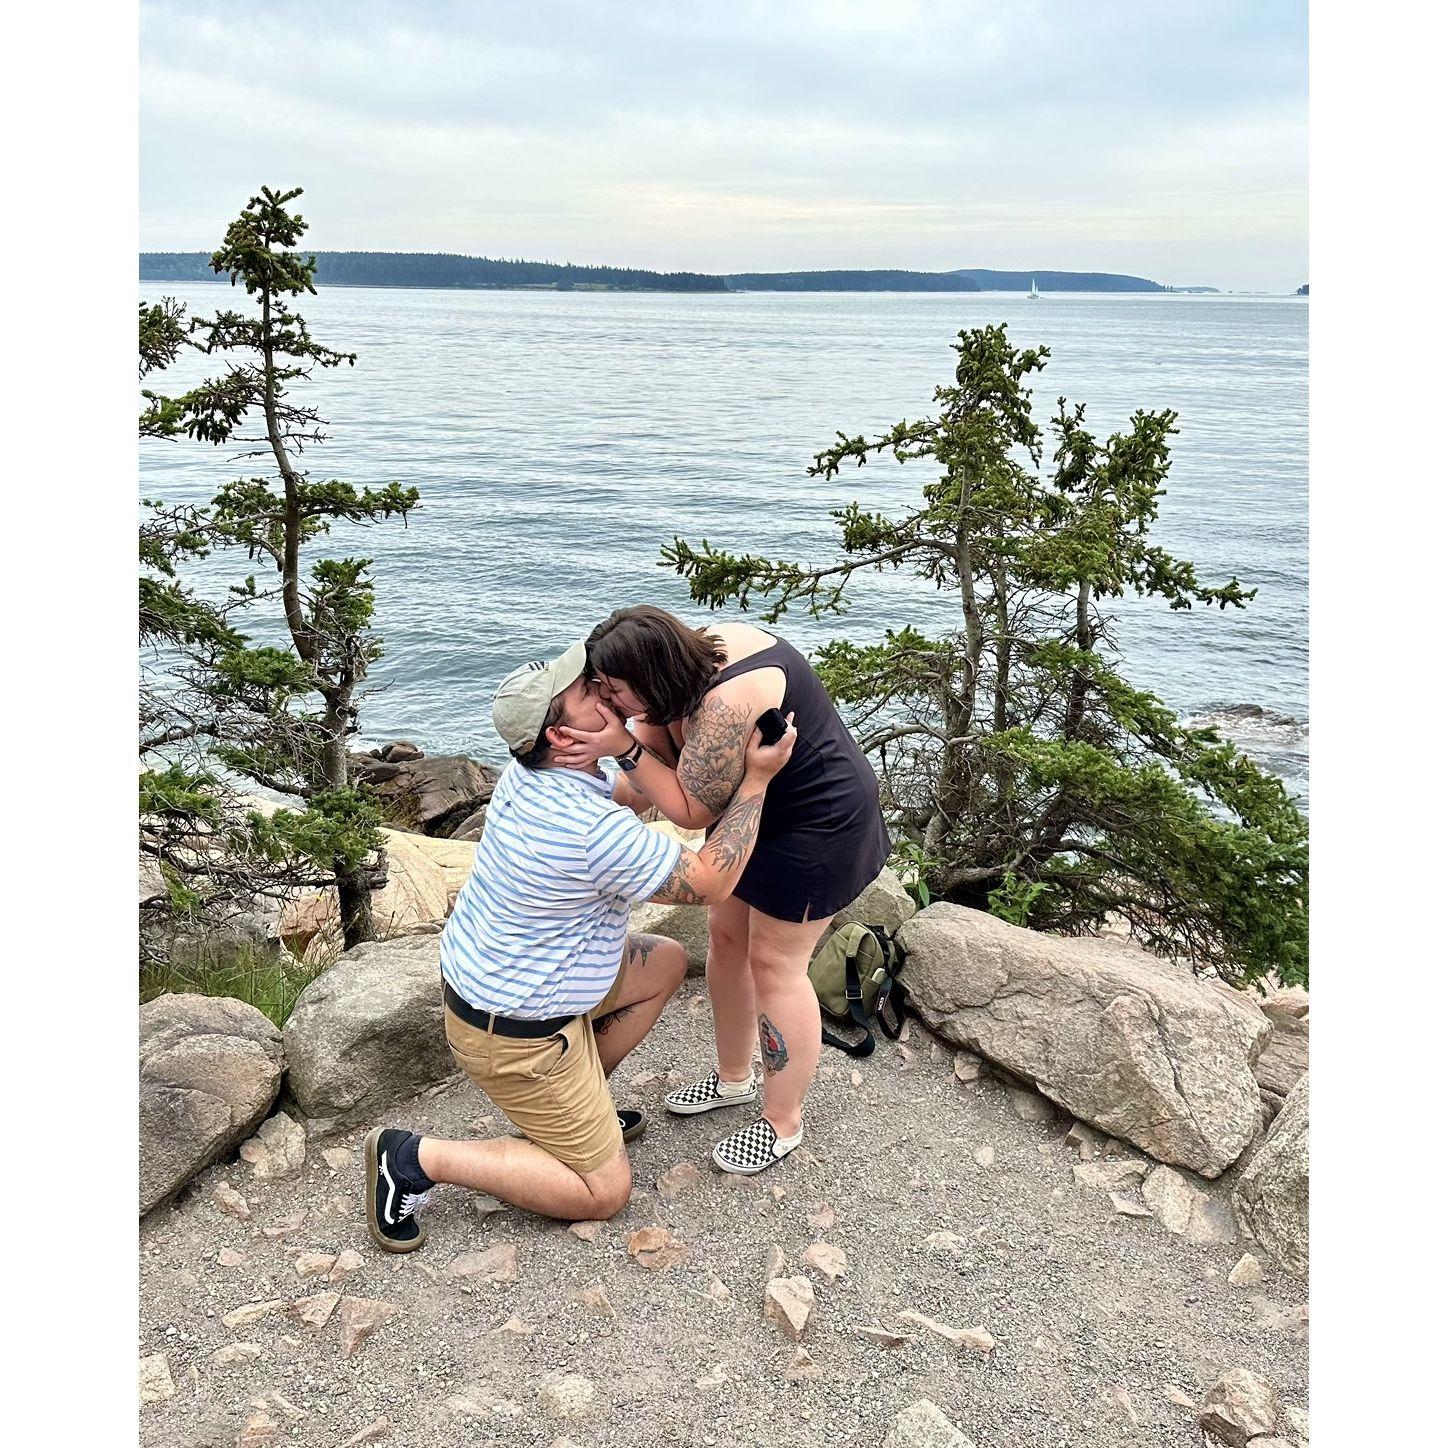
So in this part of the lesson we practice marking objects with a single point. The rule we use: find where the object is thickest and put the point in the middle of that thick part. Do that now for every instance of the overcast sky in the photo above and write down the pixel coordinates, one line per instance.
(1166, 139)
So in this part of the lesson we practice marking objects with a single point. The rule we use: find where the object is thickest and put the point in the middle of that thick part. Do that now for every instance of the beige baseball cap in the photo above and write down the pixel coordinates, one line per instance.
(521, 704)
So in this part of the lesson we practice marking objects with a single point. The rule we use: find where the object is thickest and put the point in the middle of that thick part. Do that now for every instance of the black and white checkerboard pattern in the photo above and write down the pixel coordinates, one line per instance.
(705, 1096)
(749, 1149)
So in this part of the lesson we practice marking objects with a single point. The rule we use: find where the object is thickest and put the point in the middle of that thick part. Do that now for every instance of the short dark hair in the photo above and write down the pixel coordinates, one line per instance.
(669, 665)
(541, 750)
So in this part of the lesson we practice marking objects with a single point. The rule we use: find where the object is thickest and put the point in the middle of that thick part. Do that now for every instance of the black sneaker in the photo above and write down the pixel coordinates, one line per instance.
(632, 1124)
(391, 1207)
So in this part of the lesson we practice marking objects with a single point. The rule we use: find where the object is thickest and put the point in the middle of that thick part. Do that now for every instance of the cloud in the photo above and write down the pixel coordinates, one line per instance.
(740, 137)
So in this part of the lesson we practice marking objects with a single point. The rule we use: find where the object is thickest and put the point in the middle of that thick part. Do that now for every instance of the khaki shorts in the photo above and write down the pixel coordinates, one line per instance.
(552, 1088)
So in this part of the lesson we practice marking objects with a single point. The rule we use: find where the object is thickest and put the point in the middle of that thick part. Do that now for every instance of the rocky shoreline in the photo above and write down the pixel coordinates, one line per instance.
(1182, 1104)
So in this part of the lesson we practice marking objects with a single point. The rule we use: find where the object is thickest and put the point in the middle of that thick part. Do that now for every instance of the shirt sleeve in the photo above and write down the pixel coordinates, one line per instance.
(625, 857)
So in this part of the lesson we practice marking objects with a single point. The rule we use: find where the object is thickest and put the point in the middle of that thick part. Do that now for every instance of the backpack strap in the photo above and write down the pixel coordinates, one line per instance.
(855, 997)
(892, 993)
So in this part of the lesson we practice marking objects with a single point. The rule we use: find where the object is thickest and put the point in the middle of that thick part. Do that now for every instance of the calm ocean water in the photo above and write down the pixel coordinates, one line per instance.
(559, 439)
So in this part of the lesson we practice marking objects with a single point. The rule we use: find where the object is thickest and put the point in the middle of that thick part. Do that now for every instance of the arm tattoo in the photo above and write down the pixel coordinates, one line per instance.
(771, 1047)
(678, 889)
(736, 831)
(712, 763)
(723, 853)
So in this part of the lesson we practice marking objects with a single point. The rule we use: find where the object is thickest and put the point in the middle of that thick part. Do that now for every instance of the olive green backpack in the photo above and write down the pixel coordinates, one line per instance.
(854, 978)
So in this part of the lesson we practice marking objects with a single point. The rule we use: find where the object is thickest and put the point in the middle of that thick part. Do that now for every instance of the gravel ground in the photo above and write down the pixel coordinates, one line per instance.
(1095, 1315)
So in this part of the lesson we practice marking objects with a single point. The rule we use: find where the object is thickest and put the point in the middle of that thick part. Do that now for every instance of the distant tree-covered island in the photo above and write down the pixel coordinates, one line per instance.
(851, 281)
(447, 270)
(1302, 290)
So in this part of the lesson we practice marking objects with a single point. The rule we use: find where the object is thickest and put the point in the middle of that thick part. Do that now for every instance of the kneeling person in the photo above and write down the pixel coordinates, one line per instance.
(544, 990)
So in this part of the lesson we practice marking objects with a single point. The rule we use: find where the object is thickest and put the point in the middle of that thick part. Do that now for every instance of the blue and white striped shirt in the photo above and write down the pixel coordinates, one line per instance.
(539, 928)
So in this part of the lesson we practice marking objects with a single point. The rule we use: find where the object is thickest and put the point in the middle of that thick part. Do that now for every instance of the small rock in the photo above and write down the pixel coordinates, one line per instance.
(907, 1053)
(1247, 1272)
(156, 1384)
(1211, 1222)
(967, 1067)
(1122, 1399)
(278, 1150)
(1239, 1406)
(777, 1192)
(945, 1241)
(776, 1264)
(568, 1396)
(678, 1179)
(496, 1264)
(252, 1312)
(586, 1231)
(788, 1304)
(985, 1156)
(361, 1317)
(284, 1406)
(337, 1157)
(1086, 1139)
(1031, 1105)
(656, 1248)
(1271, 1443)
(822, 1218)
(346, 1264)
(315, 1264)
(972, 1337)
(883, 1337)
(315, 1311)
(1102, 1176)
(231, 1202)
(286, 1226)
(802, 1366)
(486, 1206)
(1170, 1197)
(1174, 1395)
(856, 1079)
(1297, 1421)
(236, 1353)
(825, 1259)
(259, 1430)
(513, 1327)
(595, 1298)
(718, 1292)
(374, 1432)
(923, 1425)
(714, 1378)
(228, 1258)
(1127, 1207)
(644, 1078)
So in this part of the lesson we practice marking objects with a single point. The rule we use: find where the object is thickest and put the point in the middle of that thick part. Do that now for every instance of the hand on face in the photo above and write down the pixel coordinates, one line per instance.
(589, 746)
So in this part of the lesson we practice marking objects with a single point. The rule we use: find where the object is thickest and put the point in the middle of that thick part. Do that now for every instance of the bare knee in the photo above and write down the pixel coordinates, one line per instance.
(609, 1187)
(727, 944)
(774, 968)
(672, 962)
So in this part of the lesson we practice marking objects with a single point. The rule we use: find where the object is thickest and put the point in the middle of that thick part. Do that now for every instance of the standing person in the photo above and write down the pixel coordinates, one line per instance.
(544, 990)
(693, 696)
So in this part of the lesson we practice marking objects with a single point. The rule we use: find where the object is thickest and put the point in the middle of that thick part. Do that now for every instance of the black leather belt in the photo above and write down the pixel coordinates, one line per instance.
(501, 1025)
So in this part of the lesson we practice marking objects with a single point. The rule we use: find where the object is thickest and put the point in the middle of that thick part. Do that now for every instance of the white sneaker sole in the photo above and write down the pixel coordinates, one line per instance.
(694, 1109)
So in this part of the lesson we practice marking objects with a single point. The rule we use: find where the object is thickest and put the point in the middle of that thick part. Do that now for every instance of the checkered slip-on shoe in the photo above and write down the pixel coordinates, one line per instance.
(705, 1096)
(754, 1147)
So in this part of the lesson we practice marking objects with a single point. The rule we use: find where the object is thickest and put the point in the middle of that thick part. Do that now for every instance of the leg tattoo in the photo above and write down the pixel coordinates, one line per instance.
(772, 1047)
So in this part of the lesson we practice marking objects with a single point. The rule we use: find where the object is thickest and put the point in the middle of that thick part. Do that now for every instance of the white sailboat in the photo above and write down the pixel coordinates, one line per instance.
(1033, 295)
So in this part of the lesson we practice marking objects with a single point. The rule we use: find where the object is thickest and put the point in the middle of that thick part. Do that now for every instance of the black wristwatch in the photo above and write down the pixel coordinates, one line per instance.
(630, 761)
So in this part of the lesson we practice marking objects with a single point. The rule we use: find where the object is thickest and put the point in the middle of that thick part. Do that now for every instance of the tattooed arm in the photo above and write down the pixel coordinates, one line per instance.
(711, 765)
(709, 875)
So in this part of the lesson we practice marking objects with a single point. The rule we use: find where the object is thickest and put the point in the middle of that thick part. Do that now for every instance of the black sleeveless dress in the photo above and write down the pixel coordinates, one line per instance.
(822, 837)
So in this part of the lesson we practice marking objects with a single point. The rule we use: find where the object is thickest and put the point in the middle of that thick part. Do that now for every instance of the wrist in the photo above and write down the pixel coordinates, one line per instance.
(630, 757)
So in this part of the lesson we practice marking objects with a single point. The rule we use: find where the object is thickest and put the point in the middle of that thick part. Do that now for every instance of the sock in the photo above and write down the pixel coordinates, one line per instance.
(783, 1144)
(737, 1088)
(408, 1168)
